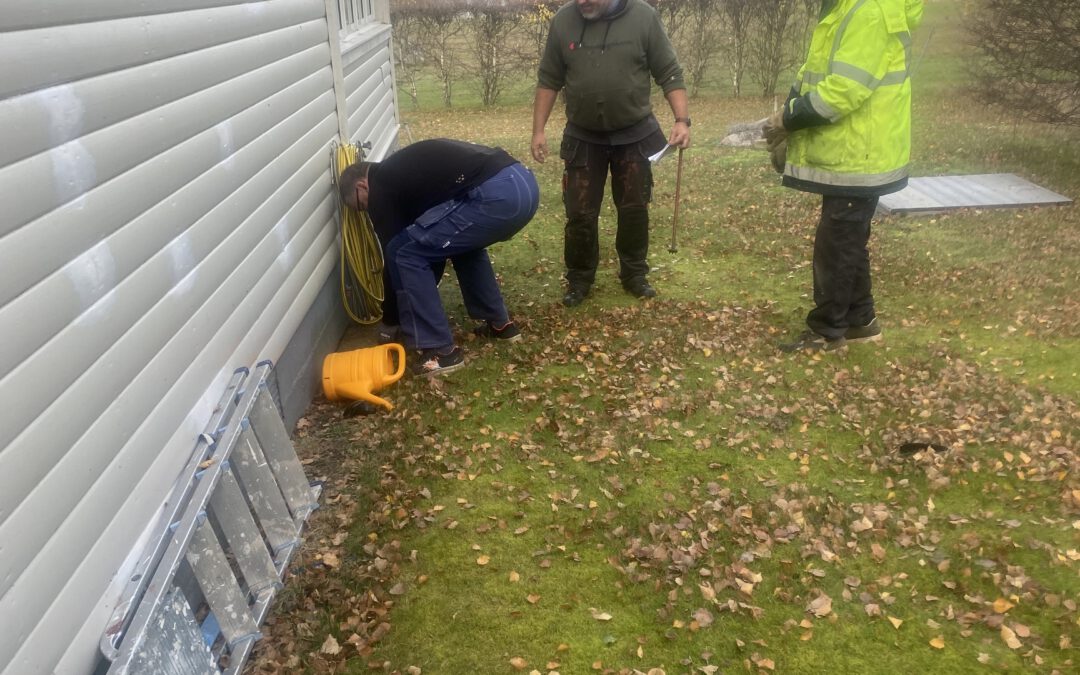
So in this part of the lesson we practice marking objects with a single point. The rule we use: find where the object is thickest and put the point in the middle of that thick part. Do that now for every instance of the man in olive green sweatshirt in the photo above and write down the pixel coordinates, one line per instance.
(603, 54)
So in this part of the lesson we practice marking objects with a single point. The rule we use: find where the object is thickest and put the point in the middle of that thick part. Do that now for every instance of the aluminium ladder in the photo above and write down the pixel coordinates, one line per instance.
(200, 592)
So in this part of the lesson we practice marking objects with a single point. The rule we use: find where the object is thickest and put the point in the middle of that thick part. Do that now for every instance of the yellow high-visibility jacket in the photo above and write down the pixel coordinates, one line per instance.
(849, 112)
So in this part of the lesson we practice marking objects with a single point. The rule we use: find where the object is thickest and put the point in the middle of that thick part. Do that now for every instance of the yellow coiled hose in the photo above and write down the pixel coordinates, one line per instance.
(362, 289)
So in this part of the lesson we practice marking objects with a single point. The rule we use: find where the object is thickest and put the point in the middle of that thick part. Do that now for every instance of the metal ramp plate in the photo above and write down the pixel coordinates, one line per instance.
(983, 191)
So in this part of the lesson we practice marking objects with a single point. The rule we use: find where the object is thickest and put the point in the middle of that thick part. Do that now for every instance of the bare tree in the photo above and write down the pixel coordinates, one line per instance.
(538, 22)
(496, 40)
(492, 40)
(738, 16)
(494, 25)
(435, 28)
(774, 40)
(439, 28)
(700, 41)
(807, 15)
(1030, 57)
(671, 14)
(408, 58)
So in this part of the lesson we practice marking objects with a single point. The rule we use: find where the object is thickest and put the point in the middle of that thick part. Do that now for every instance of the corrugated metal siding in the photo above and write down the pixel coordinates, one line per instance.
(167, 217)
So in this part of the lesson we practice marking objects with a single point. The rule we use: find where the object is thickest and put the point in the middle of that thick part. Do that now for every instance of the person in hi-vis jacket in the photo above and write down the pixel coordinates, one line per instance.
(845, 133)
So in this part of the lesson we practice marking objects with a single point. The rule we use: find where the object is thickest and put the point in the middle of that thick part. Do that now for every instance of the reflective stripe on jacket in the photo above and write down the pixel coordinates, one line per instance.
(857, 79)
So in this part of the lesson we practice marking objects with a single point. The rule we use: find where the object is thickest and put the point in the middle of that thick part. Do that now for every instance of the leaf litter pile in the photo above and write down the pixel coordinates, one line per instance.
(651, 488)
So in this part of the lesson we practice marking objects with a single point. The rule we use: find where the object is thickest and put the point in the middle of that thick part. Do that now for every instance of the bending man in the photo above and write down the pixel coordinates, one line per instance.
(439, 200)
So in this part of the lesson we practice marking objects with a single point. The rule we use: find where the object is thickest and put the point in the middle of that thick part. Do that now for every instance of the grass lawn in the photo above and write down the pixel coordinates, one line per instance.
(651, 487)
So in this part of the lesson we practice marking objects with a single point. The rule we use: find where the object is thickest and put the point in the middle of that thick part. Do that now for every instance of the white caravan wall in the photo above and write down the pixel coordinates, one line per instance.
(166, 216)
(370, 104)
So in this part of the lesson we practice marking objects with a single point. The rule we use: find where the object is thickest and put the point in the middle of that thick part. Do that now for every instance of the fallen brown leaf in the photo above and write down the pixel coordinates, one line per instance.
(1010, 638)
(820, 606)
(1001, 605)
(703, 616)
(330, 646)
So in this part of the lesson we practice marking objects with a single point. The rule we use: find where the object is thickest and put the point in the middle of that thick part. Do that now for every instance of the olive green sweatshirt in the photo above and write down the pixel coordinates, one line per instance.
(605, 65)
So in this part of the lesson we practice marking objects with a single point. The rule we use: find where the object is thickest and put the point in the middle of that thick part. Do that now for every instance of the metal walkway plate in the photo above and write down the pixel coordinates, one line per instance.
(983, 191)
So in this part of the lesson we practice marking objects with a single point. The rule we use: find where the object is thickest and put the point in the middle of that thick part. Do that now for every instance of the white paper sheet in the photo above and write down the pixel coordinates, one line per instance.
(664, 152)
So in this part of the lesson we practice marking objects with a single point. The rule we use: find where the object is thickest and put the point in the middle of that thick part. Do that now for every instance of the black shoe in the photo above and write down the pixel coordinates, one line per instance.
(813, 342)
(508, 333)
(575, 295)
(868, 333)
(430, 362)
(639, 288)
(385, 333)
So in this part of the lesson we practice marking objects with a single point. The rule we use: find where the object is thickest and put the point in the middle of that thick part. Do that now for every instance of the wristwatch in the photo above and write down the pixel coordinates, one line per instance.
(684, 120)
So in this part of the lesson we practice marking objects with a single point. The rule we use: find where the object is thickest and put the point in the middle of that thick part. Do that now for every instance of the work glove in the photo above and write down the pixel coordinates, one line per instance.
(774, 131)
(778, 155)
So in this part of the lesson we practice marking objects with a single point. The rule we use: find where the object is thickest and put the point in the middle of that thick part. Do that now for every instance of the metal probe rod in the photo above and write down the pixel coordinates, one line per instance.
(674, 246)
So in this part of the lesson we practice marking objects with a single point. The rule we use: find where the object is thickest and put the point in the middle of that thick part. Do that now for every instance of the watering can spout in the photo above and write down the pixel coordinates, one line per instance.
(355, 393)
(356, 375)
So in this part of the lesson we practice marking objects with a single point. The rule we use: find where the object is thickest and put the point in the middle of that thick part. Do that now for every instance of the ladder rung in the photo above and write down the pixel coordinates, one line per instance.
(176, 647)
(254, 473)
(274, 440)
(242, 535)
(218, 584)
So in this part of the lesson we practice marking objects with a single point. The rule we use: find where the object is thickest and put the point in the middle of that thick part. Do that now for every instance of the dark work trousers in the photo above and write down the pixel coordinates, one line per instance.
(842, 296)
(459, 230)
(390, 314)
(586, 171)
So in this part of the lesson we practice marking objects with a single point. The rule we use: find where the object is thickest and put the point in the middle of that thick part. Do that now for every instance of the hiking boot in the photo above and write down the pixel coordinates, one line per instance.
(430, 362)
(575, 295)
(639, 288)
(385, 333)
(813, 342)
(508, 333)
(868, 333)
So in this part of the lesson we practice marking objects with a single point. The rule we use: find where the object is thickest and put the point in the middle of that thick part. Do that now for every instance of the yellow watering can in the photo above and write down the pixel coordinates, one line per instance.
(357, 374)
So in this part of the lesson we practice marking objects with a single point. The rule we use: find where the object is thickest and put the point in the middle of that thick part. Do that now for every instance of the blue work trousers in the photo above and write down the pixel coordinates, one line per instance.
(459, 230)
